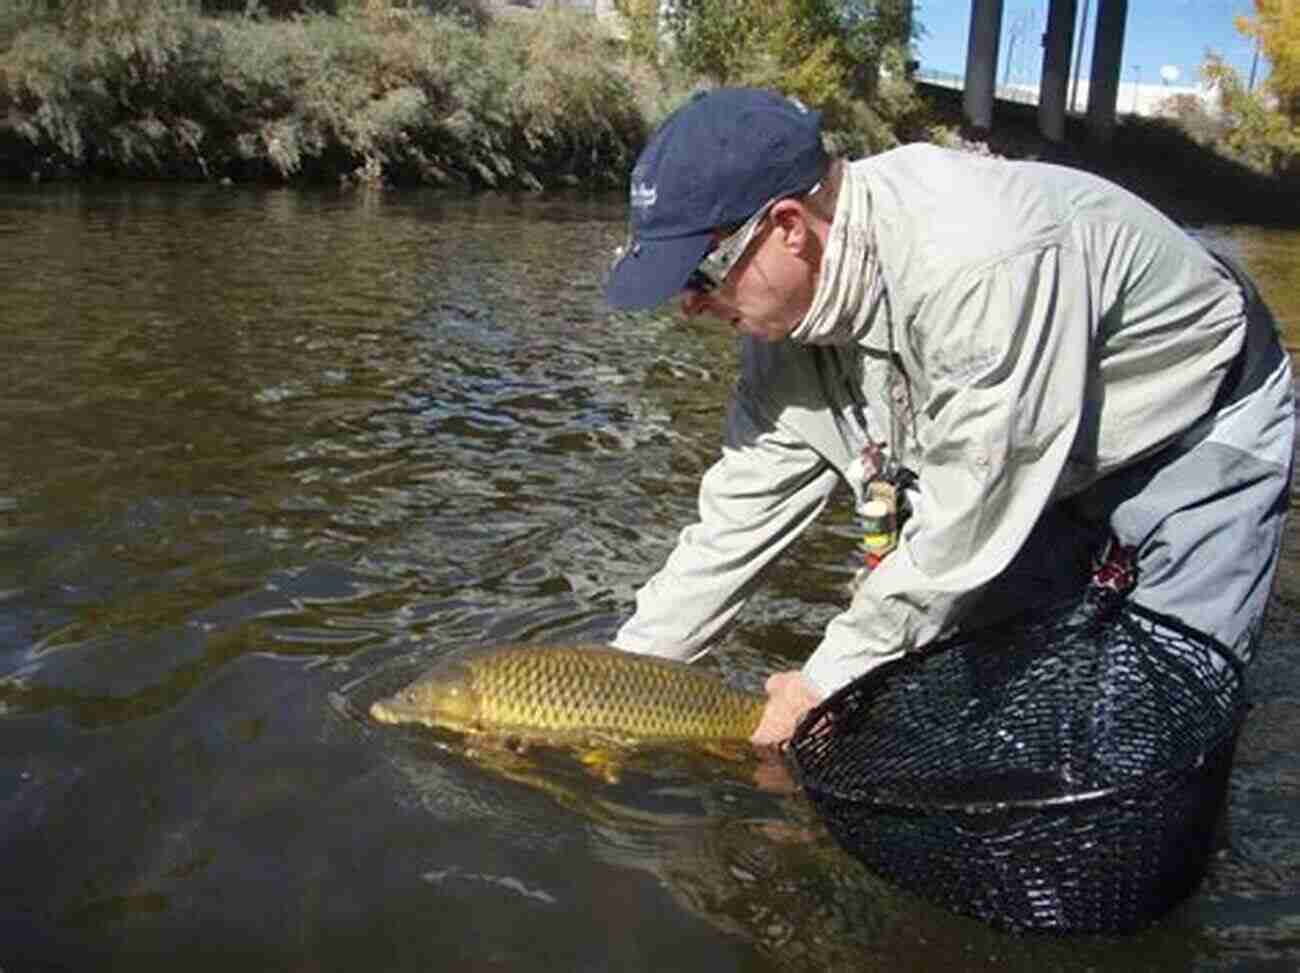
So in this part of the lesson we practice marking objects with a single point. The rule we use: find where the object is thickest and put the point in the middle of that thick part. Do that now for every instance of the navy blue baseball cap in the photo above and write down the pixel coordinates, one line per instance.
(714, 162)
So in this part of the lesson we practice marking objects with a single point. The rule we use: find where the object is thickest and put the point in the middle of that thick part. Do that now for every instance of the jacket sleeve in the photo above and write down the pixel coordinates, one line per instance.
(766, 488)
(1005, 358)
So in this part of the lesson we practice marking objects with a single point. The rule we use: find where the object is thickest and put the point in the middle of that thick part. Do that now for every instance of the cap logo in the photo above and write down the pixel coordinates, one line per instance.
(643, 195)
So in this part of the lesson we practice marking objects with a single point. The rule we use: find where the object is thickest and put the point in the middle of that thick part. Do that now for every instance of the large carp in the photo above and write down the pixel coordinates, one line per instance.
(574, 692)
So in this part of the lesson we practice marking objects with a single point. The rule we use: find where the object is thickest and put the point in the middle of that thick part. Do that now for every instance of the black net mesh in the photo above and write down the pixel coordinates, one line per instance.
(1062, 773)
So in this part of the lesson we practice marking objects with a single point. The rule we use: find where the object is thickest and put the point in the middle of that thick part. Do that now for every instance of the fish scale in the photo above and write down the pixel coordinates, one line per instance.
(555, 691)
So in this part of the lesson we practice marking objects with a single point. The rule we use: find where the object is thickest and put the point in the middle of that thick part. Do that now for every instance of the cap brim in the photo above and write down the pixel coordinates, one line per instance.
(652, 271)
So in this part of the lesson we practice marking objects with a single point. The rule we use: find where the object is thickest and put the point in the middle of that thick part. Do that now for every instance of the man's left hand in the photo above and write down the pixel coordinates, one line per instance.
(789, 696)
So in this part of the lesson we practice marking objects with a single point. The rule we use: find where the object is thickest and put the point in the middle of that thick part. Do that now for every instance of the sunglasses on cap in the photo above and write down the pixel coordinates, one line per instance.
(726, 253)
(718, 262)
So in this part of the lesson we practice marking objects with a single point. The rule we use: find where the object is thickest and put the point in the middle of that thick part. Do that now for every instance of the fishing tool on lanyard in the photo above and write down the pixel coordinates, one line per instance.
(883, 507)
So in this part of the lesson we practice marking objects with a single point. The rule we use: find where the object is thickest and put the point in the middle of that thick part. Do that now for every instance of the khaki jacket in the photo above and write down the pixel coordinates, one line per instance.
(1040, 329)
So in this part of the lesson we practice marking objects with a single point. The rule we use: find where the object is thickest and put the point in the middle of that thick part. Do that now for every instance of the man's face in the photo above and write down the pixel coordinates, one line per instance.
(769, 290)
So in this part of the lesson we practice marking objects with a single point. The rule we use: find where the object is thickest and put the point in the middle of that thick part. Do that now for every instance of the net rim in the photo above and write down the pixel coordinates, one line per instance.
(1148, 786)
(1151, 783)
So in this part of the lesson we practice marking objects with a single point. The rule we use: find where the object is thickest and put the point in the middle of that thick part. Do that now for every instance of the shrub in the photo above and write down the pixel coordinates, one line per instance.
(377, 93)
(825, 52)
(1254, 131)
(113, 84)
(572, 112)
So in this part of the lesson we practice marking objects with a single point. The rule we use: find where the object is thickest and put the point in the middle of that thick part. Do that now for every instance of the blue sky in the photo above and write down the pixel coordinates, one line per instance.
(1159, 33)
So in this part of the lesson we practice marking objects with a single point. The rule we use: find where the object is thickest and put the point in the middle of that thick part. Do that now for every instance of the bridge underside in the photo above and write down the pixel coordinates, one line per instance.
(1058, 42)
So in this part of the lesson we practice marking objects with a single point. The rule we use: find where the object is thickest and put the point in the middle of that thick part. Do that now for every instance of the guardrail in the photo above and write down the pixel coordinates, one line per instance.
(1024, 94)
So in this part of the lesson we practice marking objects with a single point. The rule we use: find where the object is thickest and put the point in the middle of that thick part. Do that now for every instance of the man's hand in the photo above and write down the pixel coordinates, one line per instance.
(789, 697)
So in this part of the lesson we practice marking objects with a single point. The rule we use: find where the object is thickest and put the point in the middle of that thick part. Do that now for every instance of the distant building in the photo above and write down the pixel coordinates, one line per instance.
(1147, 100)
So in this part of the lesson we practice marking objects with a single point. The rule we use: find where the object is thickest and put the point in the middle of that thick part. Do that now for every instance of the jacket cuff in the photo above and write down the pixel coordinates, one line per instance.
(833, 666)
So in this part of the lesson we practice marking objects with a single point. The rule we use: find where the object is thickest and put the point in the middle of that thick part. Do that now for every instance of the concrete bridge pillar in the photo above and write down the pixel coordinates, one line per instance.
(1058, 41)
(982, 63)
(1107, 55)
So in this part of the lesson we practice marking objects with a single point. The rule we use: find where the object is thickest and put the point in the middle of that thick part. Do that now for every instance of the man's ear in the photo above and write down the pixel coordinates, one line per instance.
(790, 223)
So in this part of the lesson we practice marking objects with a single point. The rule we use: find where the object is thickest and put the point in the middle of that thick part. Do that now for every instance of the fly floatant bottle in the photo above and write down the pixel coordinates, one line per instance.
(878, 518)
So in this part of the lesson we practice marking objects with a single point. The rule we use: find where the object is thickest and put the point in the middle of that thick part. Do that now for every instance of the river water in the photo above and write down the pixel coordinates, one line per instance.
(265, 452)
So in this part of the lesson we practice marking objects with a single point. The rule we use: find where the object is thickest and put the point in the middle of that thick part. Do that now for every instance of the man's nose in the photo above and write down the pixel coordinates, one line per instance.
(694, 303)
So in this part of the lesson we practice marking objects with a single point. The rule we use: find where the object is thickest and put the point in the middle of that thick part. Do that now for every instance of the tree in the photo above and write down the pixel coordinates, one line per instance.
(826, 52)
(1254, 132)
(1276, 29)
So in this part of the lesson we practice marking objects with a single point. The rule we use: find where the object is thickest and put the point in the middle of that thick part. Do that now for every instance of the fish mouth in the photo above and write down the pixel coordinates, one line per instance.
(392, 713)
(380, 713)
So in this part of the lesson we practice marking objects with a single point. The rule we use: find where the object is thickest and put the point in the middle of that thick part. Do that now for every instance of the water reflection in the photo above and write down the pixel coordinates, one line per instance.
(1270, 255)
(260, 447)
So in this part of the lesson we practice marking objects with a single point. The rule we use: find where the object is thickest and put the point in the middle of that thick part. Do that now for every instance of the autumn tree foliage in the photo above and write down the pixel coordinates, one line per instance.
(1253, 130)
(829, 53)
(1276, 28)
(1256, 126)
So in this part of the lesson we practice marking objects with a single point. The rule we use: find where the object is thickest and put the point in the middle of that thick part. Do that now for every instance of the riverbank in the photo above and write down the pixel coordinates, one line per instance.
(380, 96)
(376, 96)
(1150, 156)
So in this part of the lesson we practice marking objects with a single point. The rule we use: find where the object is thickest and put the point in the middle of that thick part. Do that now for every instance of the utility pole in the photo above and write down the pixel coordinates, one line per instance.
(1137, 83)
(1011, 53)
(1022, 26)
(1078, 57)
